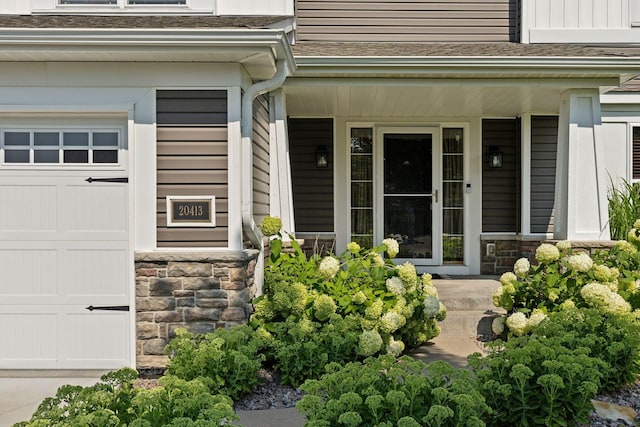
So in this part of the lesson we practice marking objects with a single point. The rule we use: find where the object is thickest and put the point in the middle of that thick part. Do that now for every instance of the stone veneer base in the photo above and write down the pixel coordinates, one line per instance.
(198, 291)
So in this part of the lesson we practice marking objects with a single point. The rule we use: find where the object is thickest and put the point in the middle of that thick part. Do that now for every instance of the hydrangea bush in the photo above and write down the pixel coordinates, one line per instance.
(389, 306)
(562, 279)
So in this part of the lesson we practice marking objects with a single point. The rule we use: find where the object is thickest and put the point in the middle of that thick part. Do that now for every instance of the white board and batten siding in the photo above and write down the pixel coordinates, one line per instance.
(406, 21)
(64, 246)
(581, 21)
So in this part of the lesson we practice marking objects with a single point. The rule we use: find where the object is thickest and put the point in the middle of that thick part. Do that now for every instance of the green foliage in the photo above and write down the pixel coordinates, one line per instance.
(624, 207)
(384, 391)
(114, 401)
(537, 380)
(612, 338)
(226, 360)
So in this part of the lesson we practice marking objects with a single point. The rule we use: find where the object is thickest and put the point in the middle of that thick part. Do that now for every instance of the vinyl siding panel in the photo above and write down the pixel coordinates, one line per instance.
(261, 158)
(192, 161)
(636, 152)
(501, 186)
(313, 199)
(544, 146)
(407, 21)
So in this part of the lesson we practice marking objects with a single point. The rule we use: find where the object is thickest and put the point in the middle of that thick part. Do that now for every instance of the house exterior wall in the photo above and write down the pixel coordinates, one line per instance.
(544, 146)
(313, 196)
(414, 21)
(587, 21)
(261, 161)
(500, 186)
(192, 161)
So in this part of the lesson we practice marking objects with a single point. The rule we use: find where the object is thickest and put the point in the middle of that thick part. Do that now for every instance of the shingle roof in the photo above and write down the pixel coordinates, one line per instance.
(345, 49)
(157, 22)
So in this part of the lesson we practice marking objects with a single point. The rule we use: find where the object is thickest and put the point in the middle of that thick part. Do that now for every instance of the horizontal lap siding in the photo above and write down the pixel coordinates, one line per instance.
(407, 21)
(501, 186)
(192, 161)
(544, 146)
(261, 157)
(312, 187)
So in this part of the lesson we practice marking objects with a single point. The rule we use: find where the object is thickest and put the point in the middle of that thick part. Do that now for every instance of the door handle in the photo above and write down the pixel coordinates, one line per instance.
(435, 196)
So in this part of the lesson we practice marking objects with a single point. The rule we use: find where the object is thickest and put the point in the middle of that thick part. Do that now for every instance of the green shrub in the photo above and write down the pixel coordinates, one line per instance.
(377, 296)
(226, 360)
(537, 380)
(384, 391)
(624, 208)
(612, 338)
(114, 401)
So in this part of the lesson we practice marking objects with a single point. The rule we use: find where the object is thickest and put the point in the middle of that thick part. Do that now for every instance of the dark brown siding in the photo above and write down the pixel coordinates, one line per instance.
(407, 20)
(261, 157)
(636, 152)
(544, 145)
(192, 161)
(312, 187)
(501, 186)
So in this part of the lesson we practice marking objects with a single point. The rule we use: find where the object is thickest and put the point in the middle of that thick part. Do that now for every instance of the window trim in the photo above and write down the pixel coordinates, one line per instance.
(122, 4)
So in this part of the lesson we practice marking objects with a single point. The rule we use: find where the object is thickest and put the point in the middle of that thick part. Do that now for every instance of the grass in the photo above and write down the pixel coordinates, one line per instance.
(624, 207)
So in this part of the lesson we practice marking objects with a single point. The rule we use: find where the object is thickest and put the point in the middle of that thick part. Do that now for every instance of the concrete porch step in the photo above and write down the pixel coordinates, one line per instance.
(467, 323)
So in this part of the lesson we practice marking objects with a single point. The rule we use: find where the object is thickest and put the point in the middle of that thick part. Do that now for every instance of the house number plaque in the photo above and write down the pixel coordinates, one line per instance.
(191, 211)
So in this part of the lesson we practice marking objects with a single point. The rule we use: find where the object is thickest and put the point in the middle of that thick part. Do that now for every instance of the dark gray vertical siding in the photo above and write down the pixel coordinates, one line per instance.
(261, 157)
(544, 145)
(192, 161)
(501, 186)
(407, 20)
(312, 187)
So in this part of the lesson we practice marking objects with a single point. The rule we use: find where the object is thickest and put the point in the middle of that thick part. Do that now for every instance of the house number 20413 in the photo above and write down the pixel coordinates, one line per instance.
(193, 211)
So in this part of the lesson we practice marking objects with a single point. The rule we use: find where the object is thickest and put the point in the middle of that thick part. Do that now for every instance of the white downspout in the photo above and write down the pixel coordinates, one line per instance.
(249, 226)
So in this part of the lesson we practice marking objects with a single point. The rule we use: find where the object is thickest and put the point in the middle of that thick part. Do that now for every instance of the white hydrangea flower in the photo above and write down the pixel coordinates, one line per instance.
(632, 235)
(359, 297)
(636, 224)
(563, 245)
(369, 343)
(395, 347)
(353, 247)
(394, 285)
(378, 261)
(580, 262)
(328, 268)
(391, 321)
(602, 273)
(407, 273)
(627, 247)
(392, 247)
(431, 306)
(497, 326)
(521, 267)
(547, 253)
(567, 305)
(427, 279)
(517, 323)
(600, 296)
(442, 312)
(535, 319)
(508, 278)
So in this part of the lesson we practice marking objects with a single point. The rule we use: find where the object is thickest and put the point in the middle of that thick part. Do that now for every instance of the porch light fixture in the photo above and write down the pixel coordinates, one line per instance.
(495, 157)
(322, 157)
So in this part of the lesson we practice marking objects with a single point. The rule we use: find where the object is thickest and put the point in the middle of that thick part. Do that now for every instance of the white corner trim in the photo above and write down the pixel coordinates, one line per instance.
(526, 173)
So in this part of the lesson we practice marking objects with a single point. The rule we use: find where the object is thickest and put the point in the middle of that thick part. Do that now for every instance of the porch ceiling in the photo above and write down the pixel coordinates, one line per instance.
(421, 101)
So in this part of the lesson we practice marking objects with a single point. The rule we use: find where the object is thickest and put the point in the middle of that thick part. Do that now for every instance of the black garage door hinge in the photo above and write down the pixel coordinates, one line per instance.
(109, 308)
(90, 180)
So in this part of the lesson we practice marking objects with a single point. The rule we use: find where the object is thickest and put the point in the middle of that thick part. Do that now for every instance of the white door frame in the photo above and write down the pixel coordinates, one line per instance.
(436, 172)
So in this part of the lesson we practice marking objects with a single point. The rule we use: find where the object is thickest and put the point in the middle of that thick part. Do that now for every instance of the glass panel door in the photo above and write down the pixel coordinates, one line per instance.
(409, 192)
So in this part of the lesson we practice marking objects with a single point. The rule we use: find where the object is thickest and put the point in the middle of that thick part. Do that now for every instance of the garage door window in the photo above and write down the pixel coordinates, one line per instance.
(63, 147)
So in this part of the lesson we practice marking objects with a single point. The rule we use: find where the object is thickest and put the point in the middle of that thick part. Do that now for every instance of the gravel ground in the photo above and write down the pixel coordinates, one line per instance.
(627, 396)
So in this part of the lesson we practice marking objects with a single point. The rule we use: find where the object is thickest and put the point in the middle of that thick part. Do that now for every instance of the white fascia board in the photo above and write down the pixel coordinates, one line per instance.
(485, 65)
(620, 98)
(275, 41)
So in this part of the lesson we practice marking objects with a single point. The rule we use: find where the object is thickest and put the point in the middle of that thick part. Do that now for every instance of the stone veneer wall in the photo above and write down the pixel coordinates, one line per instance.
(199, 291)
(508, 251)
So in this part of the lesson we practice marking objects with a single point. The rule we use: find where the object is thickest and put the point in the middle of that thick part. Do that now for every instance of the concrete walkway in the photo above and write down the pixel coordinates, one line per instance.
(21, 395)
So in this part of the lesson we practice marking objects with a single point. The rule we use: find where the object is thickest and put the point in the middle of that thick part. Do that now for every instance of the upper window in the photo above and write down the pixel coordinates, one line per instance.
(122, 2)
(61, 147)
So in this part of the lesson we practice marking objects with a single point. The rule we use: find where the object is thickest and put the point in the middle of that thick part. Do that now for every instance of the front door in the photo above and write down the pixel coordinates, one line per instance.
(408, 163)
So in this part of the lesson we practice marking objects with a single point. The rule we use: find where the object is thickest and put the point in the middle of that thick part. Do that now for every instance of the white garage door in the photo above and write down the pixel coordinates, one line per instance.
(64, 247)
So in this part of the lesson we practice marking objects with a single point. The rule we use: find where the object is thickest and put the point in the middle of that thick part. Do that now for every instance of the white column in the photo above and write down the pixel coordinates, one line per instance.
(525, 161)
(235, 168)
(581, 178)
(281, 201)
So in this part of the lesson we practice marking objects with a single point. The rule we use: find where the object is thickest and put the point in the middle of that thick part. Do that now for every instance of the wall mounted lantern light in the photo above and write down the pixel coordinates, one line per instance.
(322, 157)
(495, 157)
